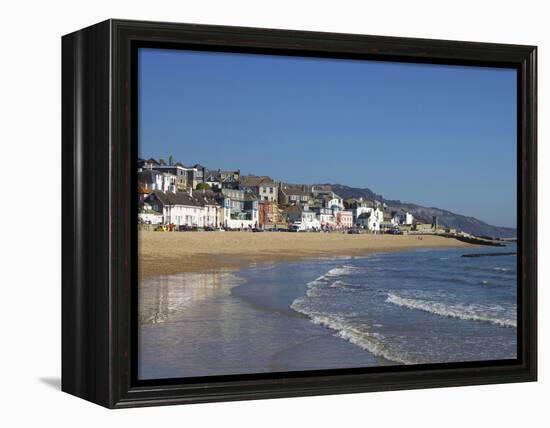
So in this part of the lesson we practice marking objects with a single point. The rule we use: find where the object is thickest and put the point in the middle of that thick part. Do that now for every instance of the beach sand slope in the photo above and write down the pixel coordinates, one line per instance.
(166, 253)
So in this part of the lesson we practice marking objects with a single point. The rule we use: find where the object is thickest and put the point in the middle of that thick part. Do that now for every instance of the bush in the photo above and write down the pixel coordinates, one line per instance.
(202, 186)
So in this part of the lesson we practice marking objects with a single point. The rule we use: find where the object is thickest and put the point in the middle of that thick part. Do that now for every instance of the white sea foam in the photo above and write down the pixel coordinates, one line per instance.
(465, 312)
(338, 284)
(341, 271)
(314, 287)
(316, 281)
(371, 342)
(502, 269)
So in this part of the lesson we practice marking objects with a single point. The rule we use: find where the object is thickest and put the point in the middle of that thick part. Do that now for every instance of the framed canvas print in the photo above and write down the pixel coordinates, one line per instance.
(253, 213)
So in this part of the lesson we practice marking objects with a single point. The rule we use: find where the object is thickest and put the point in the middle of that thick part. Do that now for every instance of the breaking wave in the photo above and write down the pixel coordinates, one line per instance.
(378, 306)
(340, 271)
(464, 312)
(371, 342)
(338, 284)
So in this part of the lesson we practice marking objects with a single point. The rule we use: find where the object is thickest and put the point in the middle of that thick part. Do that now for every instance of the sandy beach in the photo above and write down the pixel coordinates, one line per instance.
(166, 253)
(316, 313)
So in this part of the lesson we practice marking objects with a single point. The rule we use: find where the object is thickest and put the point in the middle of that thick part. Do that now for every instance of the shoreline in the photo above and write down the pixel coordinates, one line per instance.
(169, 253)
(245, 322)
(218, 321)
(187, 312)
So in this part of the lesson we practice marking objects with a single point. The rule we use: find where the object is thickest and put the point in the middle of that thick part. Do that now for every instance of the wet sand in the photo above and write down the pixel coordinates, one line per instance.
(218, 323)
(167, 253)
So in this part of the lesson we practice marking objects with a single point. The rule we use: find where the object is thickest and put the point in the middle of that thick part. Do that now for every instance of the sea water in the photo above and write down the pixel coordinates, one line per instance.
(411, 307)
(428, 306)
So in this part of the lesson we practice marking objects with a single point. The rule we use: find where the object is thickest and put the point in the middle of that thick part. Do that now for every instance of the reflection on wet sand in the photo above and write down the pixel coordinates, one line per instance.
(218, 323)
(165, 298)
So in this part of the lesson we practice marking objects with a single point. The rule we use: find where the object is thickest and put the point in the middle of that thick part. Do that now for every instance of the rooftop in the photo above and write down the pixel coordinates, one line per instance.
(254, 181)
(199, 199)
(291, 189)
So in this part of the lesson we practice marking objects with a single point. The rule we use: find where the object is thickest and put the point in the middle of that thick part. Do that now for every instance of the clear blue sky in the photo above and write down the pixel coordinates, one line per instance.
(435, 135)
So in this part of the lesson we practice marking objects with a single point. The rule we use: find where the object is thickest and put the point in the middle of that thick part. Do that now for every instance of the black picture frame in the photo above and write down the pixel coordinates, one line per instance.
(99, 251)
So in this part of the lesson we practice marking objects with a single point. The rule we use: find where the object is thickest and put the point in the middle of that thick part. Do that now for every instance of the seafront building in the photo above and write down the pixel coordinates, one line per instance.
(240, 208)
(402, 217)
(303, 218)
(171, 193)
(344, 219)
(270, 216)
(370, 218)
(184, 209)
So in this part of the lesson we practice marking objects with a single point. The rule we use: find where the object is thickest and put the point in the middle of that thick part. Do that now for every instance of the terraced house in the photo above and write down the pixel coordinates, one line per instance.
(168, 193)
(262, 186)
(291, 194)
(184, 209)
(270, 216)
(240, 209)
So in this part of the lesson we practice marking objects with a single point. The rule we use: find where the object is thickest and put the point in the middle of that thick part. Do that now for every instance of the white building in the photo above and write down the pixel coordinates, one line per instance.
(310, 220)
(148, 215)
(240, 209)
(334, 203)
(328, 198)
(182, 209)
(360, 210)
(402, 218)
(155, 180)
(369, 218)
(326, 218)
(303, 218)
(212, 210)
